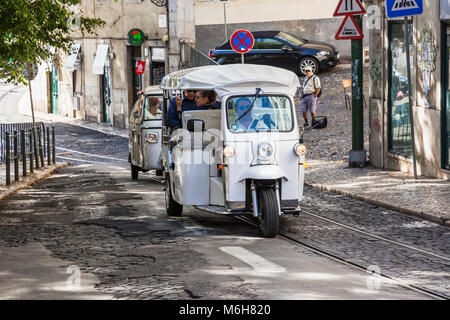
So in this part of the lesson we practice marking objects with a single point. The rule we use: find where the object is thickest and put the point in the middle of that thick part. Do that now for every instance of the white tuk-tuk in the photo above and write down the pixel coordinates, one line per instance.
(246, 157)
(145, 122)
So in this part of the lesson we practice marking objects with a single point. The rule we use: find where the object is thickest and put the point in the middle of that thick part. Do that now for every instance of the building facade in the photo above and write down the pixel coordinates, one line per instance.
(305, 18)
(391, 139)
(99, 80)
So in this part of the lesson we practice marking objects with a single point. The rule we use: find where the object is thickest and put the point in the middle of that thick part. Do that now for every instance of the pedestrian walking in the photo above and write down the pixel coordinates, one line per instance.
(311, 91)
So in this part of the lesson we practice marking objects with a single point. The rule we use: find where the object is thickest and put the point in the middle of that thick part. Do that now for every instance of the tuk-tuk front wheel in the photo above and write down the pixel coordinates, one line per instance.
(268, 216)
(173, 208)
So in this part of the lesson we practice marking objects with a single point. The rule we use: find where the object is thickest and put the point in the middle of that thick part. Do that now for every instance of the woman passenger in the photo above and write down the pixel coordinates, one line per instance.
(206, 99)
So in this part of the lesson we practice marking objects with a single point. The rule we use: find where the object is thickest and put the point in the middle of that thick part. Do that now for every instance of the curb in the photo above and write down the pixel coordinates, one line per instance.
(33, 179)
(100, 130)
(387, 205)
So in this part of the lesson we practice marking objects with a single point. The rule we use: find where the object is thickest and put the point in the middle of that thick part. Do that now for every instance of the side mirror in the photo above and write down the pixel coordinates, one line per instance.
(319, 122)
(286, 48)
(195, 125)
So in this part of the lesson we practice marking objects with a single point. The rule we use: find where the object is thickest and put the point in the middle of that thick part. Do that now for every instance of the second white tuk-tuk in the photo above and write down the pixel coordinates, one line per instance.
(247, 156)
(144, 145)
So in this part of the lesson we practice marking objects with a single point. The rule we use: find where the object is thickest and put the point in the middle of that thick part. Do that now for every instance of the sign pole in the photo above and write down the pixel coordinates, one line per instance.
(32, 115)
(411, 116)
(242, 58)
(31, 95)
(357, 154)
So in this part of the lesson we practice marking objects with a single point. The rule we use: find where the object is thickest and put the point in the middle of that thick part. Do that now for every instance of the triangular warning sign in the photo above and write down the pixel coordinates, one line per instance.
(349, 30)
(346, 7)
(404, 5)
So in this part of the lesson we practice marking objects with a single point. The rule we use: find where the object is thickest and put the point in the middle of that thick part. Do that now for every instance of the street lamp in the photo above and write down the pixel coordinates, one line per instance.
(225, 18)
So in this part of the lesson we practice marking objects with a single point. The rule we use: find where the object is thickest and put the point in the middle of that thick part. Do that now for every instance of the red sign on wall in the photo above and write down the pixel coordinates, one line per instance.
(140, 67)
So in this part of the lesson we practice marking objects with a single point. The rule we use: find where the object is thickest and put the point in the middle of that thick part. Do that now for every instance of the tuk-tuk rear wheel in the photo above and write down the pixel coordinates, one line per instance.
(134, 172)
(173, 208)
(268, 218)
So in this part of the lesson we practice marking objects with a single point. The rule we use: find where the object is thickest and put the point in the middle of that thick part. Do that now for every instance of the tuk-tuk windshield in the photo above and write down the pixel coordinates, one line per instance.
(269, 113)
(152, 108)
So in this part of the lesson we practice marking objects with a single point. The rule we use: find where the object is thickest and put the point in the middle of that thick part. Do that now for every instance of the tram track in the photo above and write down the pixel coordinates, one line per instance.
(431, 293)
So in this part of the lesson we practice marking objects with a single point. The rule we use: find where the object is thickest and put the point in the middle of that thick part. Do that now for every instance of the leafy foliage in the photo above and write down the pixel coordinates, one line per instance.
(32, 30)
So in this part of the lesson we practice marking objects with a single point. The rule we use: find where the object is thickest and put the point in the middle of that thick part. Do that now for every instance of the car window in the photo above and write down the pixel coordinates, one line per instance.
(296, 41)
(153, 107)
(269, 113)
(267, 43)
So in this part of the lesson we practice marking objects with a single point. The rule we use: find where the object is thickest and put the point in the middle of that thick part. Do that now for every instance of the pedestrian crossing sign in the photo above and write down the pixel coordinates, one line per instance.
(403, 8)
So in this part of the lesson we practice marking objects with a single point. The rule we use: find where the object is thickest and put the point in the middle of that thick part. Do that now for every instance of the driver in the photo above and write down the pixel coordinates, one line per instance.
(247, 122)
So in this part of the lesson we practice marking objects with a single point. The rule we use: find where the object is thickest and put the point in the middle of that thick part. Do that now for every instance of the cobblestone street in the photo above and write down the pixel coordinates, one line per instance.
(92, 216)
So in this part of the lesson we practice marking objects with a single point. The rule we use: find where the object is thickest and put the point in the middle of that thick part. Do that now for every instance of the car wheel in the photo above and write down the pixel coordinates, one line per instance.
(308, 62)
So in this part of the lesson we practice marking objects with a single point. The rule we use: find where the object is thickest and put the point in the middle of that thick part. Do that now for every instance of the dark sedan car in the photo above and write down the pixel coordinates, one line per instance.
(283, 50)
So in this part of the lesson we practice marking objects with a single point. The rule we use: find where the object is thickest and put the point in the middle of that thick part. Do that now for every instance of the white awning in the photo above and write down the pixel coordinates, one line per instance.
(72, 63)
(100, 58)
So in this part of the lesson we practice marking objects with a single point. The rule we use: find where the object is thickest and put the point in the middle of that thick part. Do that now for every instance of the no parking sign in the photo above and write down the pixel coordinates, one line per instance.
(242, 41)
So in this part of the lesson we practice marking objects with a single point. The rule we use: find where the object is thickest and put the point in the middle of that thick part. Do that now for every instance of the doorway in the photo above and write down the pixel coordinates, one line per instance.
(446, 98)
(54, 106)
(106, 91)
(400, 140)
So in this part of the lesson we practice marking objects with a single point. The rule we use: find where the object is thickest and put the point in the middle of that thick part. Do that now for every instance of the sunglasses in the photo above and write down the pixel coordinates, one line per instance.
(191, 91)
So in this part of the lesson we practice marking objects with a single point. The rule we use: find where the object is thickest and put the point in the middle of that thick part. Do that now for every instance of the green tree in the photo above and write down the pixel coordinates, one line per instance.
(31, 31)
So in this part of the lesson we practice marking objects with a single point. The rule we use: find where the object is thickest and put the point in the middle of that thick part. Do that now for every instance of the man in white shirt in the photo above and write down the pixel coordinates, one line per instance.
(311, 89)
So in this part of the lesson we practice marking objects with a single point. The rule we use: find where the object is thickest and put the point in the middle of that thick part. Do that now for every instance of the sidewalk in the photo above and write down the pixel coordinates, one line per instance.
(25, 182)
(426, 198)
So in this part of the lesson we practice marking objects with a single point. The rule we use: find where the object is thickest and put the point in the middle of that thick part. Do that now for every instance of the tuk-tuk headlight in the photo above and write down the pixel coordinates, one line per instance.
(265, 150)
(151, 138)
(228, 151)
(300, 149)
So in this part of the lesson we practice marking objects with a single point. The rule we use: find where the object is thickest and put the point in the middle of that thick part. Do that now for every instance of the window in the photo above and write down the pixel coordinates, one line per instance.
(136, 112)
(296, 41)
(399, 116)
(269, 113)
(267, 43)
(153, 107)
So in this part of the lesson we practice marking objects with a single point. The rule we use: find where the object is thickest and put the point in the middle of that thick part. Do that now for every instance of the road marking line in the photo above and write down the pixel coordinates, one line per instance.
(257, 262)
(91, 155)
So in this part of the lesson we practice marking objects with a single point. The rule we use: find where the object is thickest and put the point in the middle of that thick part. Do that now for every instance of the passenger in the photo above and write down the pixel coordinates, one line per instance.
(152, 111)
(178, 105)
(206, 99)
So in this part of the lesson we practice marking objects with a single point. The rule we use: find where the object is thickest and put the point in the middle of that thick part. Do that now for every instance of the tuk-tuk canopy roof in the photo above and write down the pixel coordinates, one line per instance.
(153, 90)
(233, 78)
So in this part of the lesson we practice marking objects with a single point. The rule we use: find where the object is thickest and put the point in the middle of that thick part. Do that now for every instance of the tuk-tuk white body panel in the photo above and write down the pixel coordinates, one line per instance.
(190, 176)
(244, 165)
(152, 150)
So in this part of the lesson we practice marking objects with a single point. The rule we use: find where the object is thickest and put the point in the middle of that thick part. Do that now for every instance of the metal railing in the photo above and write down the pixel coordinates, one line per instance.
(191, 57)
(31, 150)
(11, 127)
